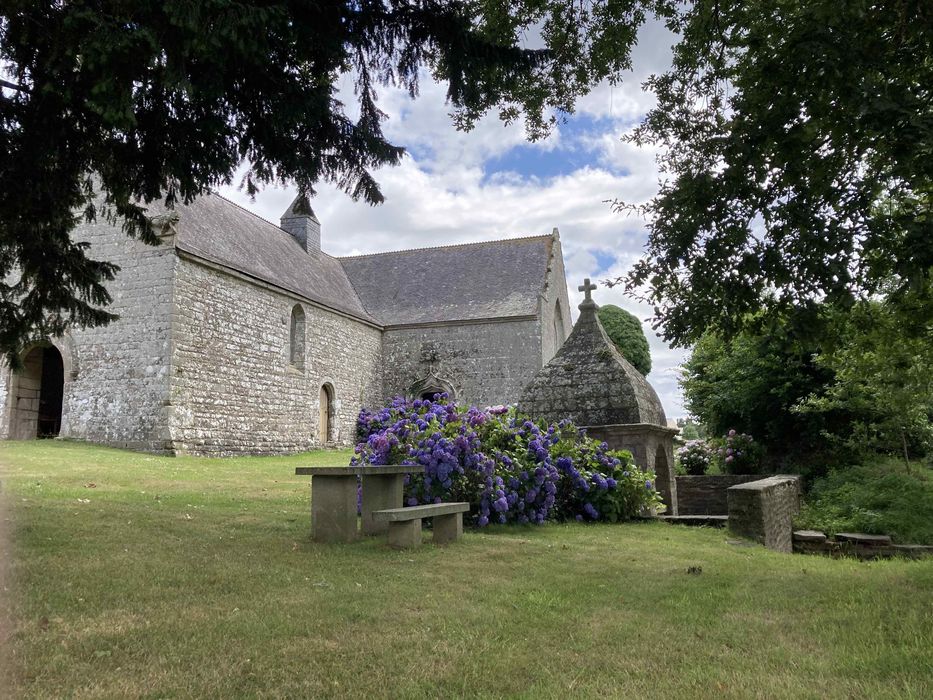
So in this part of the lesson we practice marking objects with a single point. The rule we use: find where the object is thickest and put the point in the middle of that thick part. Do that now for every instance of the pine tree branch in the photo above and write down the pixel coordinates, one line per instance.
(14, 86)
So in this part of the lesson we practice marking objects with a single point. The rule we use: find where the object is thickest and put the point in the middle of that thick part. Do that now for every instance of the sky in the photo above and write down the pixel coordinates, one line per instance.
(490, 183)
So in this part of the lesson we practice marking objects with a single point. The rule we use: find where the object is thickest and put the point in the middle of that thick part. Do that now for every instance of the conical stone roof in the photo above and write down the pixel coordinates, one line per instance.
(590, 382)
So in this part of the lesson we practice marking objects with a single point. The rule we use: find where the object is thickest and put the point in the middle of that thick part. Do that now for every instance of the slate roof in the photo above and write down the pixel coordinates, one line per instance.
(222, 232)
(494, 279)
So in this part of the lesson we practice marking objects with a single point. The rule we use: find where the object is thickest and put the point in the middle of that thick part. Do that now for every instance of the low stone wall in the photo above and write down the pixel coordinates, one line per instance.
(764, 510)
(706, 495)
(856, 544)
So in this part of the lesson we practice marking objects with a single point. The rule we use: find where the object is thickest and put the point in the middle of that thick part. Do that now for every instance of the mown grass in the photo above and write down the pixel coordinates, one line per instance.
(197, 578)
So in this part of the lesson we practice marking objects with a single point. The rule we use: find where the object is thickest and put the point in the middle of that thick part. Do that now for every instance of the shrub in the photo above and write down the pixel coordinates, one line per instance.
(510, 469)
(737, 453)
(627, 334)
(878, 497)
(695, 457)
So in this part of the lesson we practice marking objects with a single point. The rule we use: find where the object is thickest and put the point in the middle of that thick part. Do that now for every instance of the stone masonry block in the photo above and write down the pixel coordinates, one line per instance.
(333, 508)
(763, 510)
(380, 492)
(405, 534)
(448, 528)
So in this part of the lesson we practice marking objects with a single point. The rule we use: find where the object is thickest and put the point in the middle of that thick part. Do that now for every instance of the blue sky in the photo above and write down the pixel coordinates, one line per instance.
(491, 183)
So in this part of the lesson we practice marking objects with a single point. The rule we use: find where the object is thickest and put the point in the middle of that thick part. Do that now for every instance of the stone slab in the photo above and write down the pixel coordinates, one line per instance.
(698, 520)
(394, 515)
(767, 482)
(914, 550)
(358, 471)
(862, 538)
(809, 536)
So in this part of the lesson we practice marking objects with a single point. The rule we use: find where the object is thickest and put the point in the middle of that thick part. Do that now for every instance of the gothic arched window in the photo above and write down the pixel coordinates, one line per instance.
(559, 336)
(296, 338)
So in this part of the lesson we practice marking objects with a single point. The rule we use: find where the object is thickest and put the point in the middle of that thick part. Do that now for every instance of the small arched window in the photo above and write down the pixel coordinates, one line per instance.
(325, 425)
(296, 338)
(559, 336)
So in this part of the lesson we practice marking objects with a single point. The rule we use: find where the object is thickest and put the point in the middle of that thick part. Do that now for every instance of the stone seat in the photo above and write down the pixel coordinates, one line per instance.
(405, 523)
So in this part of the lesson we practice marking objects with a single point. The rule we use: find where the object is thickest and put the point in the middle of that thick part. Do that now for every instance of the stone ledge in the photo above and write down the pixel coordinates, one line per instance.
(697, 520)
(833, 548)
(430, 510)
(863, 539)
(809, 536)
(358, 471)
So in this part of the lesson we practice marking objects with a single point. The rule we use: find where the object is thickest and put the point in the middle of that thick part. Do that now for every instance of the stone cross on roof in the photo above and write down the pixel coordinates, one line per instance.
(586, 288)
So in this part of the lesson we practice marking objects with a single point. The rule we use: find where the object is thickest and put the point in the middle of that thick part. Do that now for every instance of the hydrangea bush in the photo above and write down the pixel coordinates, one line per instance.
(510, 469)
(695, 457)
(738, 453)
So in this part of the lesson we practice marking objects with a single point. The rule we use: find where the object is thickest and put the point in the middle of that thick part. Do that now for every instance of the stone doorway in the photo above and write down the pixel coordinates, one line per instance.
(37, 392)
(326, 415)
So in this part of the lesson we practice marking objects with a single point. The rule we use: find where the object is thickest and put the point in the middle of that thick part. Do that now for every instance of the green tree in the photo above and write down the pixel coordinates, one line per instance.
(752, 383)
(689, 430)
(795, 142)
(625, 331)
(882, 376)
(164, 99)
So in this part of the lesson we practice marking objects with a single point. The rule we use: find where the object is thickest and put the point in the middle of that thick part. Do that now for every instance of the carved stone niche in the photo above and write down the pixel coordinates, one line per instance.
(430, 385)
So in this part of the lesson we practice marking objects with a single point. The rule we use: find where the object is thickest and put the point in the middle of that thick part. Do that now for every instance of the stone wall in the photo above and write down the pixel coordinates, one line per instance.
(706, 495)
(233, 387)
(487, 363)
(652, 448)
(116, 376)
(764, 510)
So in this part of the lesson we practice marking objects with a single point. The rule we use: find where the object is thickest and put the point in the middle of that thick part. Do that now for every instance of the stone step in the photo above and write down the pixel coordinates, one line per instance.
(696, 520)
(864, 539)
(809, 536)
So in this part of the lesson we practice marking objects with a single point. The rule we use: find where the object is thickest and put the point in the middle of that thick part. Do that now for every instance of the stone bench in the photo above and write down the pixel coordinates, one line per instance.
(405, 523)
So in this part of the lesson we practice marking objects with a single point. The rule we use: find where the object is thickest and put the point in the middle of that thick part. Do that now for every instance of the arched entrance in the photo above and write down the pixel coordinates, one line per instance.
(36, 397)
(325, 424)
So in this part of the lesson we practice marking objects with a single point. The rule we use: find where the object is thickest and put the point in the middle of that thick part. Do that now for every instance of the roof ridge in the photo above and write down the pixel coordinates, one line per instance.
(446, 247)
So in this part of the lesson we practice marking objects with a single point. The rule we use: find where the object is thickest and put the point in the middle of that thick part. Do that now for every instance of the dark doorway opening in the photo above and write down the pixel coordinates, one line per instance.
(37, 391)
(51, 393)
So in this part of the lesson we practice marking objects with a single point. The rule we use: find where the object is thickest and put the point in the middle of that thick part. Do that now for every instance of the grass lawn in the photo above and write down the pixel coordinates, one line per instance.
(195, 577)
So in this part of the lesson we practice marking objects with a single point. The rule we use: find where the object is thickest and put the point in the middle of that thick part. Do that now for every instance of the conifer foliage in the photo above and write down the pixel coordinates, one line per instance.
(108, 106)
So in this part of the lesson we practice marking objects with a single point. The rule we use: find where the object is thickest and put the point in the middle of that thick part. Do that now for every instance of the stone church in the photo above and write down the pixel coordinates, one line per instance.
(236, 336)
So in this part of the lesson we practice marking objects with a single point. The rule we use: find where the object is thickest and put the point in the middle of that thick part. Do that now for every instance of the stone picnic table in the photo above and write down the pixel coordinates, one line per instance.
(333, 498)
